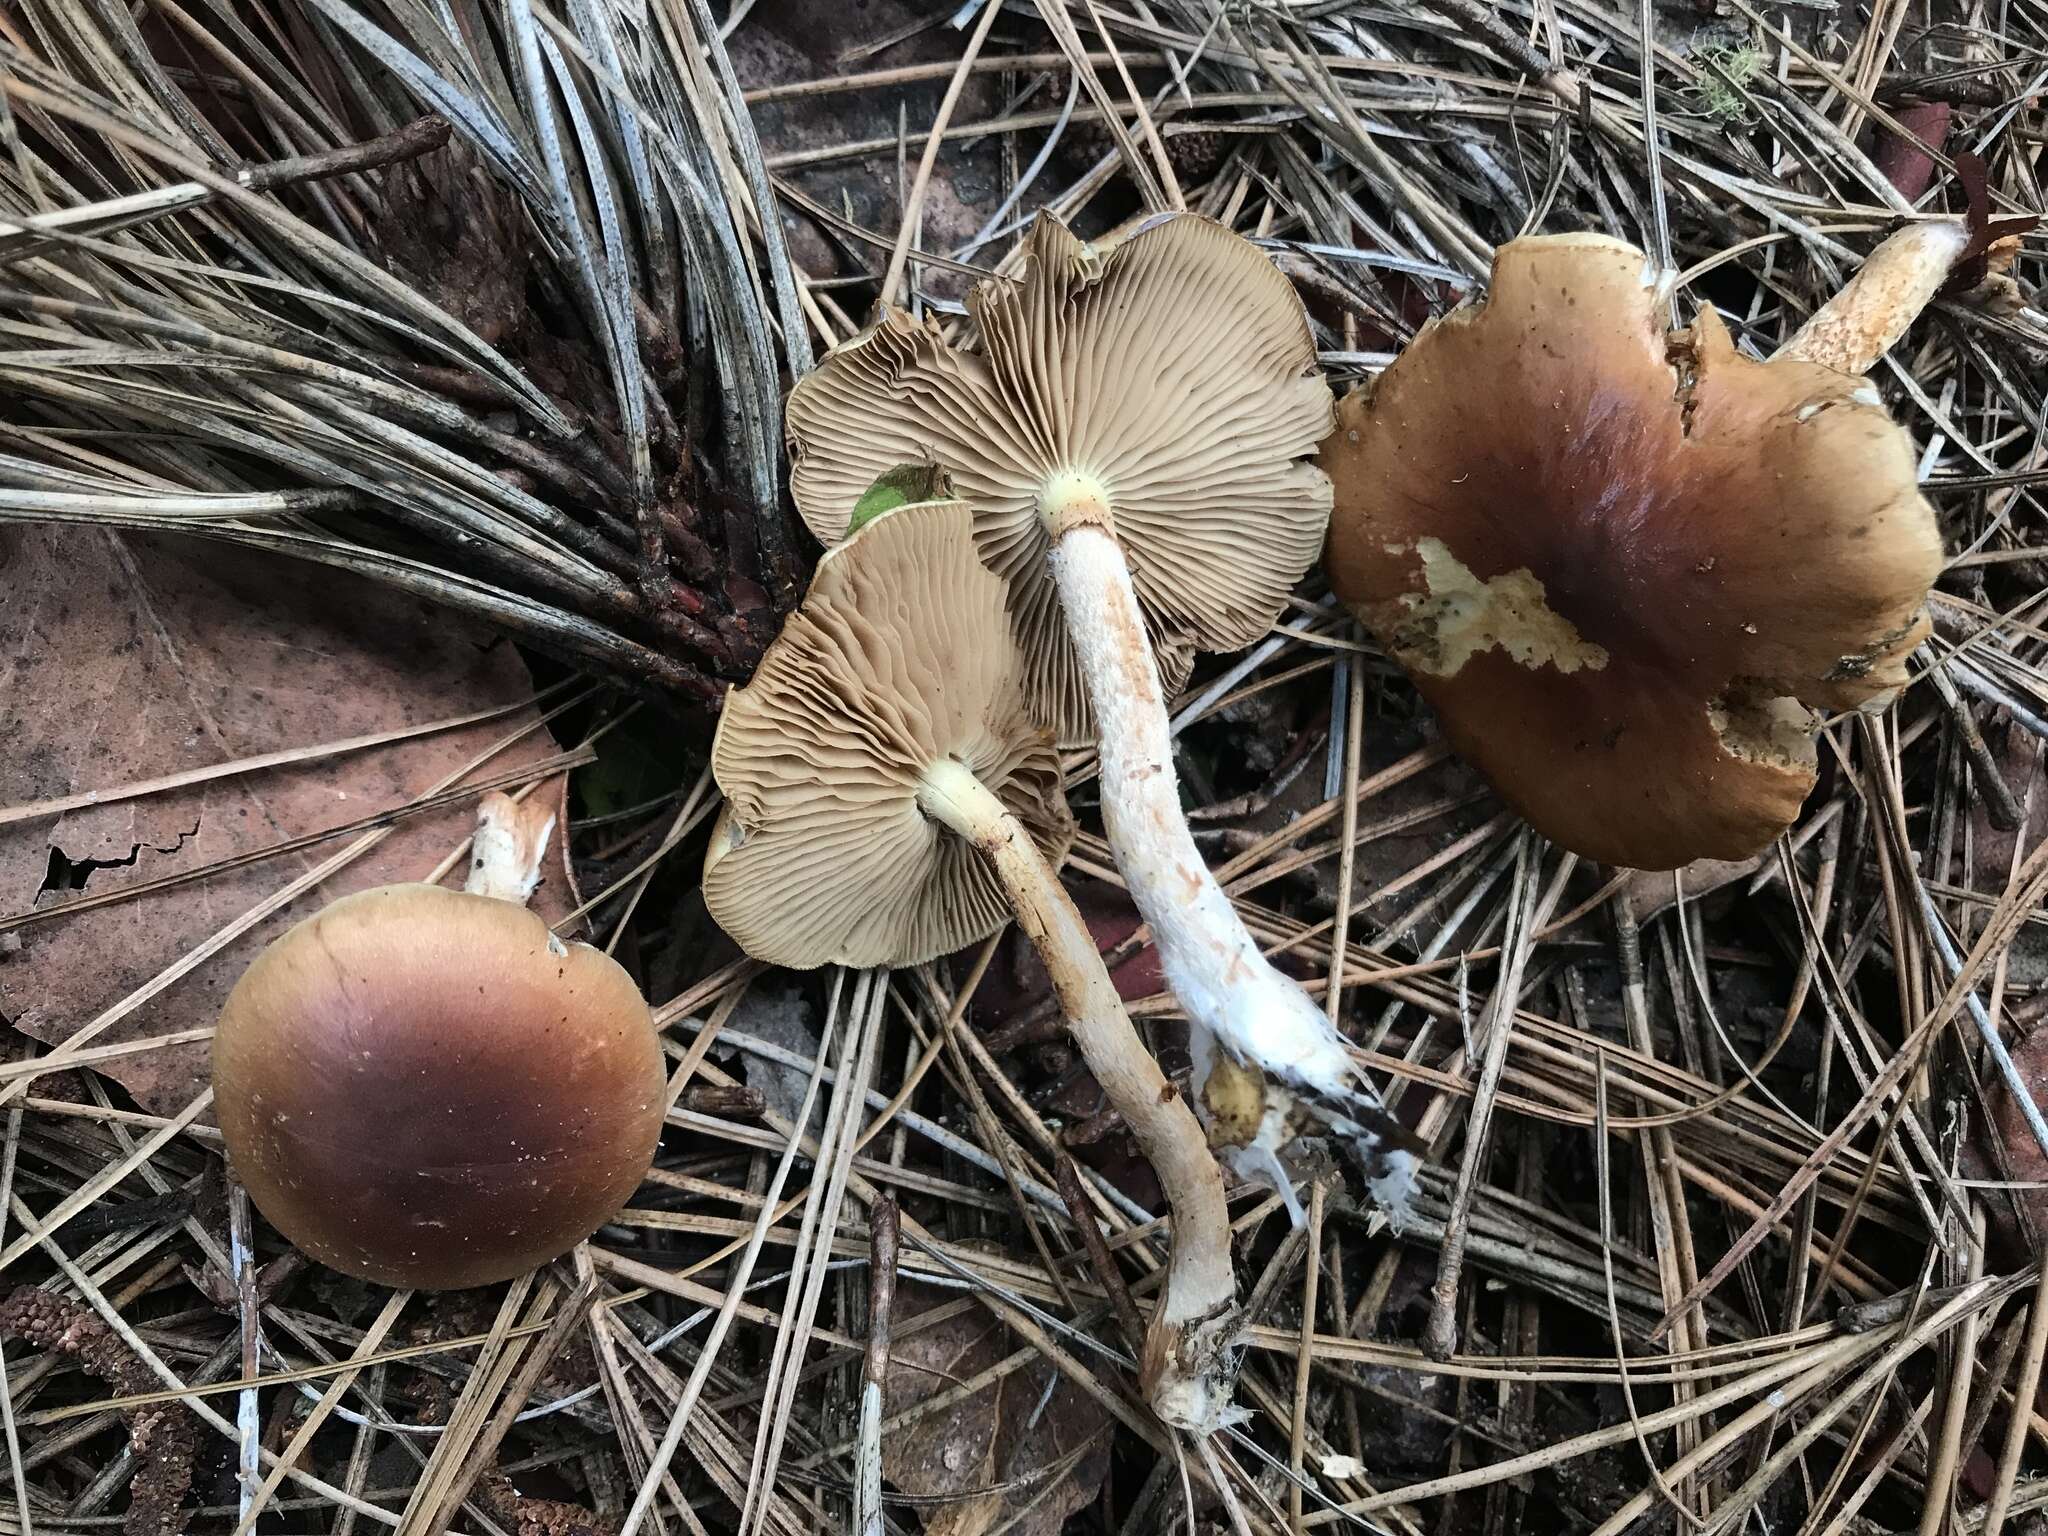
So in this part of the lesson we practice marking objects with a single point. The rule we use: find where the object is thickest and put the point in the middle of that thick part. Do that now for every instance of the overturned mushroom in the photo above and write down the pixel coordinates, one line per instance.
(1133, 441)
(425, 1087)
(890, 799)
(1624, 565)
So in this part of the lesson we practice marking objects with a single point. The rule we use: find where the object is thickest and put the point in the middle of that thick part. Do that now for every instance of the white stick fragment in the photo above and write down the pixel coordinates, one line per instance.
(1860, 324)
(884, 1233)
(248, 1413)
(1187, 1373)
(510, 840)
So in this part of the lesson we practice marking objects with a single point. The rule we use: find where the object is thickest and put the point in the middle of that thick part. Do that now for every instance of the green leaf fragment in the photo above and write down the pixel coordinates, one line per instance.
(900, 487)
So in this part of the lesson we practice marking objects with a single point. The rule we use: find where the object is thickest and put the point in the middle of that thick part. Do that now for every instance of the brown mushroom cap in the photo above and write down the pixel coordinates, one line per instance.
(1176, 369)
(900, 656)
(426, 1088)
(1613, 558)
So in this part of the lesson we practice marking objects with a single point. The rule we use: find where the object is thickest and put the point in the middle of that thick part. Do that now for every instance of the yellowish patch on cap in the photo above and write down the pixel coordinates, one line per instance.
(1761, 727)
(1440, 629)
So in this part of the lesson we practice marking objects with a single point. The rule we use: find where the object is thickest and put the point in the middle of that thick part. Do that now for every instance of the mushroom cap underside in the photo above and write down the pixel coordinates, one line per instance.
(1175, 369)
(422, 1087)
(1612, 557)
(899, 657)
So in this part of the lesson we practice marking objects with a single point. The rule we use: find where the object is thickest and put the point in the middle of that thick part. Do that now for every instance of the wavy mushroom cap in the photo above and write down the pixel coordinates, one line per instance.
(1175, 370)
(421, 1087)
(899, 658)
(1615, 560)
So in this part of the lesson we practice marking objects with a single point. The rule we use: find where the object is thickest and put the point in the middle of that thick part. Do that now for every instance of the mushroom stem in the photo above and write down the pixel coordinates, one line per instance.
(505, 852)
(1900, 278)
(1187, 1371)
(1225, 983)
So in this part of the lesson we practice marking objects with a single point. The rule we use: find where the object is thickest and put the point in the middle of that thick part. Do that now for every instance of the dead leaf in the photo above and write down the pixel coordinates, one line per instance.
(1406, 824)
(124, 658)
(1904, 163)
(778, 1010)
(1005, 1437)
(2019, 760)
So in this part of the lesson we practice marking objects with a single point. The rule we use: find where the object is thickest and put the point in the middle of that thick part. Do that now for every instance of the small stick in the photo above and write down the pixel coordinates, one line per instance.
(1485, 27)
(2023, 1390)
(1304, 1360)
(2003, 1352)
(1076, 1197)
(883, 1237)
(1440, 1335)
(735, 1101)
(2000, 808)
(248, 1418)
(1340, 919)
(1941, 1476)
(420, 137)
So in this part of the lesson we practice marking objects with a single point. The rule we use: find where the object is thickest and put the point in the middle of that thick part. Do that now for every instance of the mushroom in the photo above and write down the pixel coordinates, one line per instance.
(1622, 564)
(890, 799)
(424, 1087)
(1133, 440)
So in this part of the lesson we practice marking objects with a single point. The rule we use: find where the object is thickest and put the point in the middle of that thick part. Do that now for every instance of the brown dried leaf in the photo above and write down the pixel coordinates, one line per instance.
(996, 1439)
(1389, 849)
(2020, 762)
(124, 658)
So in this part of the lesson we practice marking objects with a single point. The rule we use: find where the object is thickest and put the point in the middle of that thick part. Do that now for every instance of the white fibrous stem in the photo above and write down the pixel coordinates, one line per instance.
(1859, 325)
(1187, 1370)
(1222, 980)
(510, 840)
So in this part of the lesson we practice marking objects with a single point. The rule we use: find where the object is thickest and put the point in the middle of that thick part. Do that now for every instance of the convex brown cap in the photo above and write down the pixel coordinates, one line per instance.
(1175, 370)
(422, 1087)
(898, 659)
(1615, 560)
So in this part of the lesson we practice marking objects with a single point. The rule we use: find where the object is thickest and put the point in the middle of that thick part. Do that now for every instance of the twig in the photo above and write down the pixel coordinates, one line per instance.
(1304, 1362)
(420, 137)
(1082, 1211)
(883, 1237)
(248, 1310)
(1440, 1334)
